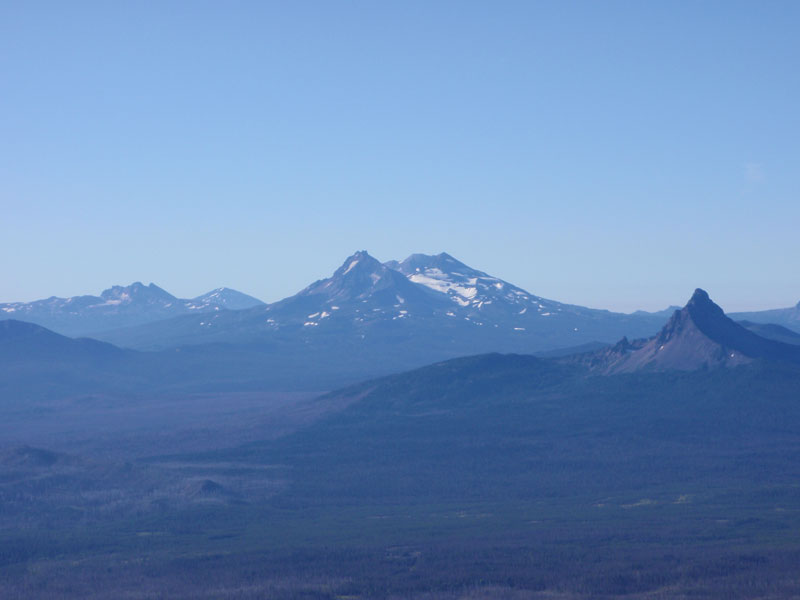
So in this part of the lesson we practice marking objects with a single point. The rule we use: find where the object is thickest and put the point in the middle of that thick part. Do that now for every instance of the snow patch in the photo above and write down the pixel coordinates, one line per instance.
(438, 281)
(352, 264)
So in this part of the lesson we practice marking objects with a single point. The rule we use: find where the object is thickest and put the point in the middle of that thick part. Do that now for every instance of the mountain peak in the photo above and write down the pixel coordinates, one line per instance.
(126, 293)
(442, 261)
(700, 296)
(223, 297)
(698, 336)
(361, 261)
(701, 305)
(363, 277)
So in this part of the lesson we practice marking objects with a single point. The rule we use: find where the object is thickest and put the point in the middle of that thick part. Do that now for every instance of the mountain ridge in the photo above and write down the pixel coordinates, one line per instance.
(424, 300)
(119, 306)
(787, 317)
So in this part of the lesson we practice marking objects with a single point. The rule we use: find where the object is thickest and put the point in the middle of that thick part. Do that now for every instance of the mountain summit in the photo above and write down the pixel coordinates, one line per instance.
(364, 278)
(225, 298)
(463, 285)
(698, 336)
(136, 293)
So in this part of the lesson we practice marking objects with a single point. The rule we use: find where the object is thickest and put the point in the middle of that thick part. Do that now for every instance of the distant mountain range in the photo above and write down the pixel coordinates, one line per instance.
(428, 307)
(788, 317)
(371, 318)
(120, 306)
(330, 353)
(771, 331)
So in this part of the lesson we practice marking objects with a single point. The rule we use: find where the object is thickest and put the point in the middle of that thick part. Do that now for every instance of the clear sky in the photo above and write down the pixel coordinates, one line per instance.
(610, 154)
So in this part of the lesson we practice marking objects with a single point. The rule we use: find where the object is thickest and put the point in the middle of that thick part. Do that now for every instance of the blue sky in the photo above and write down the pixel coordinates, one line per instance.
(615, 154)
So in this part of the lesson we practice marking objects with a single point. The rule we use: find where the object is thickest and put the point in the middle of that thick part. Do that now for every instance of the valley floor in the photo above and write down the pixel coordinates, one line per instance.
(415, 488)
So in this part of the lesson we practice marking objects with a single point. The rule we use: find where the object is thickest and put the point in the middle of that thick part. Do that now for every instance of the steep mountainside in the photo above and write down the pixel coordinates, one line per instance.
(699, 336)
(119, 306)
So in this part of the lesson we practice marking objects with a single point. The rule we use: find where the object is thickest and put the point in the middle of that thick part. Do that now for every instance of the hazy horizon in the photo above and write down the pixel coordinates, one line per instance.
(613, 156)
(193, 294)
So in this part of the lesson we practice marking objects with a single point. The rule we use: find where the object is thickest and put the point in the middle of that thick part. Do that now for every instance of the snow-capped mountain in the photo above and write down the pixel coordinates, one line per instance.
(431, 306)
(363, 290)
(362, 278)
(465, 286)
(119, 306)
(484, 298)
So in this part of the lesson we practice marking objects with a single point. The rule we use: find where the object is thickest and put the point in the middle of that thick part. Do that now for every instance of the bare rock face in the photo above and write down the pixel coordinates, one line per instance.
(699, 336)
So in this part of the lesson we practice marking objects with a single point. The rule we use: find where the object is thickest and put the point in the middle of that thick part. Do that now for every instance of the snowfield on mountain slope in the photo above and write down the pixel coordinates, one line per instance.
(477, 290)
(438, 281)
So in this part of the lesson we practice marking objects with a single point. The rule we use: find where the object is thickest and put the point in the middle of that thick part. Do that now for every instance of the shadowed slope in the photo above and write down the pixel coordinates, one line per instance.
(696, 337)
